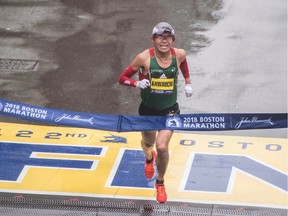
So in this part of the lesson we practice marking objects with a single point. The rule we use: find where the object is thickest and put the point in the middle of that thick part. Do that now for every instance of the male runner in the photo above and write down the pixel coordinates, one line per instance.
(158, 70)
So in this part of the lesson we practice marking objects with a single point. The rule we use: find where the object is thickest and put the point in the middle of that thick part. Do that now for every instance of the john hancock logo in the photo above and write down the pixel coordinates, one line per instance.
(74, 118)
(253, 120)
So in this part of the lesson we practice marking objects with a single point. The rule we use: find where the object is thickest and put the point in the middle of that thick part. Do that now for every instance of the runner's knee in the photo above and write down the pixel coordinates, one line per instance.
(162, 148)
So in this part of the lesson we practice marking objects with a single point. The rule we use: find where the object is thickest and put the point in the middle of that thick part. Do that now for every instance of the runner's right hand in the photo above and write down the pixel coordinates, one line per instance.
(142, 83)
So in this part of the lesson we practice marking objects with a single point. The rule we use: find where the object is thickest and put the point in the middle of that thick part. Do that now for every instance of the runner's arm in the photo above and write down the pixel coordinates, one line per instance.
(125, 76)
(184, 66)
(185, 71)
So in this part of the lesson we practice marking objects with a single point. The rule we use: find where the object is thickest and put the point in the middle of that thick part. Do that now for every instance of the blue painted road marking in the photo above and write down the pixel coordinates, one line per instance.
(212, 173)
(15, 156)
(130, 172)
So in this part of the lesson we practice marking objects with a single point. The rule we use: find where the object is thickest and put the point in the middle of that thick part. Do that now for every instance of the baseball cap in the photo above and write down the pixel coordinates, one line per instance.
(162, 27)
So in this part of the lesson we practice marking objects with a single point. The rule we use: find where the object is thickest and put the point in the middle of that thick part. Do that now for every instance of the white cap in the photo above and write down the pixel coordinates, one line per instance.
(162, 27)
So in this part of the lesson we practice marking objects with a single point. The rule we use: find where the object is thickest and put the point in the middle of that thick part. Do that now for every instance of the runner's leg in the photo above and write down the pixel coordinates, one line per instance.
(147, 143)
(162, 143)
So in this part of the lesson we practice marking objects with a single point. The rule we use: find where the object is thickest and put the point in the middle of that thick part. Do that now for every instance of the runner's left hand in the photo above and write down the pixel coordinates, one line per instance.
(188, 90)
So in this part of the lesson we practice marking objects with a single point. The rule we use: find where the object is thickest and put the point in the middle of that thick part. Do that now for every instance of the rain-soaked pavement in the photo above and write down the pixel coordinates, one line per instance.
(237, 54)
(82, 46)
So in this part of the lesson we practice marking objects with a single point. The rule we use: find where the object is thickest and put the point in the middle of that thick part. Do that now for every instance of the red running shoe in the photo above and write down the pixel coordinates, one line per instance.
(161, 195)
(149, 167)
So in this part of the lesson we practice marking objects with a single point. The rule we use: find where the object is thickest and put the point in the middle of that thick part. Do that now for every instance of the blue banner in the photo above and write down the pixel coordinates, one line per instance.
(125, 123)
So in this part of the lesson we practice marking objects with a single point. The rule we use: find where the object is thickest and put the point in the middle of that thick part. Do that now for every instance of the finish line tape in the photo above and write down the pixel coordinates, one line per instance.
(125, 123)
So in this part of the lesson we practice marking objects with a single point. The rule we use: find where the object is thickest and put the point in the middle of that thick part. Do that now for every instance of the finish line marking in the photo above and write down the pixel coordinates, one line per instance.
(203, 168)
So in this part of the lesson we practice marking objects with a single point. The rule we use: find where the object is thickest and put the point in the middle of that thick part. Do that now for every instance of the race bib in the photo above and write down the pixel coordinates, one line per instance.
(162, 84)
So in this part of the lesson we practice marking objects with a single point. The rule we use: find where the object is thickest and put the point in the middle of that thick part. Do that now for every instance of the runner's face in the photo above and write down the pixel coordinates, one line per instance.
(163, 42)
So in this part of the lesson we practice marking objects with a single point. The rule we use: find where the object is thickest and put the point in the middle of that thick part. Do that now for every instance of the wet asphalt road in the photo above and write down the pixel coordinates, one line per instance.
(82, 47)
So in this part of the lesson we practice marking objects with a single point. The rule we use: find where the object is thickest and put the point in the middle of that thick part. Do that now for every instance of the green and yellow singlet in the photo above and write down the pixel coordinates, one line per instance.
(162, 92)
